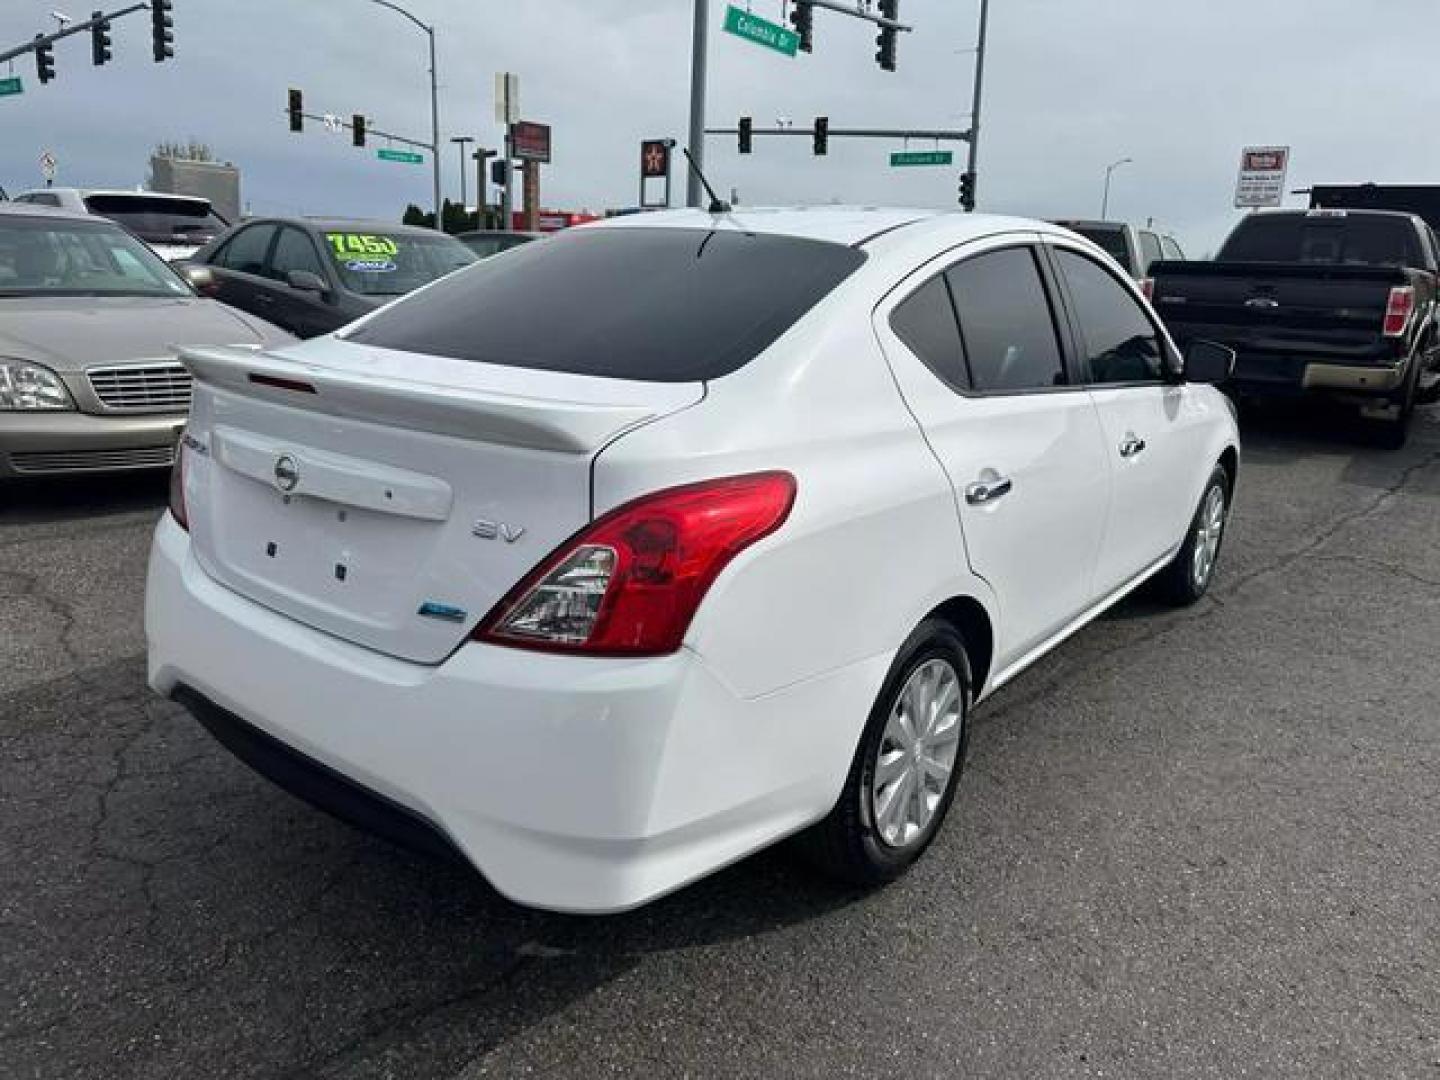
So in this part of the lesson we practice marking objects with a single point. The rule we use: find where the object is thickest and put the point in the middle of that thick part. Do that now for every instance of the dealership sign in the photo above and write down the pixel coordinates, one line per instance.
(1262, 176)
(530, 141)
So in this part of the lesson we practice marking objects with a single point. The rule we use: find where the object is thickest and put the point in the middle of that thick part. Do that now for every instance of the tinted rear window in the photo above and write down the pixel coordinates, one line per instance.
(1355, 240)
(1111, 240)
(154, 217)
(661, 305)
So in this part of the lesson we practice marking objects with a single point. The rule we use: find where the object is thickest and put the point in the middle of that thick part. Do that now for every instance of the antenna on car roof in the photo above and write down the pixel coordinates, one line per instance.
(717, 205)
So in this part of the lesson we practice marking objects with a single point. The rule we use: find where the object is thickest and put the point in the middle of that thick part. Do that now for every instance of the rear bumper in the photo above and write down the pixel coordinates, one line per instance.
(42, 443)
(1294, 375)
(570, 783)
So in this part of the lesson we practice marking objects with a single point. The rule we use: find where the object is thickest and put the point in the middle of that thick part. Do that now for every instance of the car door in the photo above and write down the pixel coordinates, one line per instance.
(304, 312)
(975, 349)
(238, 268)
(1155, 437)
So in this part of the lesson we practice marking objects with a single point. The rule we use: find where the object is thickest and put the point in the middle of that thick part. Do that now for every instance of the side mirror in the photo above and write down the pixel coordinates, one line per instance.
(1208, 362)
(306, 281)
(201, 278)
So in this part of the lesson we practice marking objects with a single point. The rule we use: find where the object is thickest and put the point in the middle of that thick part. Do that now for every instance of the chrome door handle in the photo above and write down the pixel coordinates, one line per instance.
(1130, 446)
(985, 491)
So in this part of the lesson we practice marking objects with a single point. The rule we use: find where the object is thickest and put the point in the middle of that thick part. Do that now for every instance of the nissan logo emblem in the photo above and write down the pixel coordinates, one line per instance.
(287, 473)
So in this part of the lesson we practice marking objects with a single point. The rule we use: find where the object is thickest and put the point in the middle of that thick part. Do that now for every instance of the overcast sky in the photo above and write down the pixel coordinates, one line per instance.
(1072, 85)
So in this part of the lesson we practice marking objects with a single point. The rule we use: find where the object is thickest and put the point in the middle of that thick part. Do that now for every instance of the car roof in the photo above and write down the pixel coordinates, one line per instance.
(19, 209)
(341, 224)
(849, 225)
(111, 193)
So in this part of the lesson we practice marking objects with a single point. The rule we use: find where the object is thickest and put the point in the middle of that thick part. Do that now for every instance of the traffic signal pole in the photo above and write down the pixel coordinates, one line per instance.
(700, 45)
(979, 87)
(44, 40)
(434, 102)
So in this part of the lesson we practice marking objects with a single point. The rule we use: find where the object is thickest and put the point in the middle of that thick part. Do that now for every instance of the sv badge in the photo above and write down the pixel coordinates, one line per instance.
(497, 530)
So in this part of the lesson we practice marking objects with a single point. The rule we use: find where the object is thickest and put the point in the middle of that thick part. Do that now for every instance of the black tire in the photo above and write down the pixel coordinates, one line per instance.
(848, 844)
(1177, 583)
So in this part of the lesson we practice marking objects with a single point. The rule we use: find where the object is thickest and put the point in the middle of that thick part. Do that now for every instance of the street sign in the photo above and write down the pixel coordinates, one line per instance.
(406, 157)
(1262, 176)
(333, 124)
(48, 165)
(12, 85)
(760, 31)
(922, 157)
(530, 141)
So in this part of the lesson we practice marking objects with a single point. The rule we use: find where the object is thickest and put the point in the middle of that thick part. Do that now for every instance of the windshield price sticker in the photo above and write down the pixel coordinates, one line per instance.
(364, 253)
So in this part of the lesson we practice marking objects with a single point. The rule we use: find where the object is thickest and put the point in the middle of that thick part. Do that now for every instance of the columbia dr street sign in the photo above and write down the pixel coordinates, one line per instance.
(921, 157)
(405, 156)
(12, 85)
(761, 31)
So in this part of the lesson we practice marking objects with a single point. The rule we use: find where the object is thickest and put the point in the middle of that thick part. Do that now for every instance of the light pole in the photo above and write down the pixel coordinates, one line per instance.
(434, 101)
(699, 49)
(979, 86)
(461, 141)
(1110, 171)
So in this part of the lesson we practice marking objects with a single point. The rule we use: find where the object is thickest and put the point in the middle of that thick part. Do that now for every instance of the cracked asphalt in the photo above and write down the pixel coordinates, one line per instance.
(1188, 844)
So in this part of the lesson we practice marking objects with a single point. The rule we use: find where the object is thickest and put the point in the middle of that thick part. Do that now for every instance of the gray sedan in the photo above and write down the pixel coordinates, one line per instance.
(89, 320)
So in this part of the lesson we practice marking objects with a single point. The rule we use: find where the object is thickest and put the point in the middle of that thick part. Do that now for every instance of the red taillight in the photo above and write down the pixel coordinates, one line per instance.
(177, 487)
(1398, 310)
(629, 584)
(1147, 286)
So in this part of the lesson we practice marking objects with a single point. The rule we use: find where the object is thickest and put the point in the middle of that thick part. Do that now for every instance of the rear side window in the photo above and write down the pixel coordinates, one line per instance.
(246, 250)
(1006, 323)
(925, 322)
(661, 305)
(1335, 239)
(1121, 345)
(1149, 251)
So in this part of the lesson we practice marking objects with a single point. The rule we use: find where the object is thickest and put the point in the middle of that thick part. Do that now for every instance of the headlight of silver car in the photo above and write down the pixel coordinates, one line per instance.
(26, 386)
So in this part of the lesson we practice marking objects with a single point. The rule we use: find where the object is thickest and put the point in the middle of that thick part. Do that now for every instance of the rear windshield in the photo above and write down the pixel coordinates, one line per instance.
(1328, 240)
(158, 219)
(660, 305)
(1112, 240)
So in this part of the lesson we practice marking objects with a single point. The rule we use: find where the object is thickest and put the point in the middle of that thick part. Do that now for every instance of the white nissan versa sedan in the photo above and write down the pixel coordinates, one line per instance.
(614, 560)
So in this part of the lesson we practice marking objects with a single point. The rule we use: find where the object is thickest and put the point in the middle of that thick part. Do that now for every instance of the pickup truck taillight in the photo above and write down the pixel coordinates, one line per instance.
(1398, 311)
(630, 583)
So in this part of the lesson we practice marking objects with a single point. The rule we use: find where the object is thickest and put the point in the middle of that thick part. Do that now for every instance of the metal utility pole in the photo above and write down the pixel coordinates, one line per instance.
(699, 51)
(979, 87)
(1110, 171)
(434, 101)
(461, 141)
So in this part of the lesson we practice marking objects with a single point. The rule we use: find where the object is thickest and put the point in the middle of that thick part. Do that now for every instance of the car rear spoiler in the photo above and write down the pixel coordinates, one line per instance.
(560, 426)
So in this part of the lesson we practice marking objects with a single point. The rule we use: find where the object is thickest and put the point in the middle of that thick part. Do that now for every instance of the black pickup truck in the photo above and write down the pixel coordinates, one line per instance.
(1340, 302)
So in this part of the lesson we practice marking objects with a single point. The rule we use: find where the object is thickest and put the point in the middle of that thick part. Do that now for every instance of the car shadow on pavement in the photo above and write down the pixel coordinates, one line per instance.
(161, 896)
(34, 501)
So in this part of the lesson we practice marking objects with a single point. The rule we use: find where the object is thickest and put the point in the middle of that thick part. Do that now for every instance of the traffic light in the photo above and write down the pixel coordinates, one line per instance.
(357, 129)
(803, 19)
(747, 128)
(100, 50)
(885, 41)
(822, 135)
(967, 190)
(161, 35)
(297, 111)
(44, 59)
(499, 170)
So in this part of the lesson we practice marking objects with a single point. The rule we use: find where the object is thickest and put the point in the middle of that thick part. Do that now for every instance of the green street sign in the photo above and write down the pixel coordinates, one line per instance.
(12, 85)
(922, 157)
(761, 31)
(404, 156)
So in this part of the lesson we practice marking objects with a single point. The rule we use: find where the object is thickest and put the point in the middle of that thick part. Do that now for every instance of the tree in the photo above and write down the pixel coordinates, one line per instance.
(415, 216)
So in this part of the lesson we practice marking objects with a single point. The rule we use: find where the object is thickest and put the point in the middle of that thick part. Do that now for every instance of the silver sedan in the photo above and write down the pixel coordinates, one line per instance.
(89, 322)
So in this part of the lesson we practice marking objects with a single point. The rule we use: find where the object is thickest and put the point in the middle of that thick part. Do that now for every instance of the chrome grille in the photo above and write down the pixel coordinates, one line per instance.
(136, 387)
(148, 457)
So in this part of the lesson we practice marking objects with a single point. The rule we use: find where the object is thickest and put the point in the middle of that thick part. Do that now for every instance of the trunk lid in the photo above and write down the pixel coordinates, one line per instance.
(387, 498)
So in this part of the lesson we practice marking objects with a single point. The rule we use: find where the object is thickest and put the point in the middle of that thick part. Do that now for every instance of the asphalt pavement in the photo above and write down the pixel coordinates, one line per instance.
(1188, 844)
